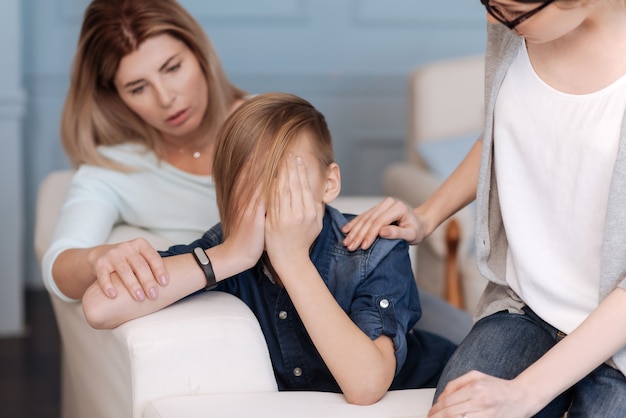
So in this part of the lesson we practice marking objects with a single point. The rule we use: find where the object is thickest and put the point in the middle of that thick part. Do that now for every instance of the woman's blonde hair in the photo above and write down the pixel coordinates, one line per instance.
(252, 144)
(93, 113)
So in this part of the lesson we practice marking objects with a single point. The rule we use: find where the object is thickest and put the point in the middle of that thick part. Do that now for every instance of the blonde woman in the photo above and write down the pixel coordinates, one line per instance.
(146, 99)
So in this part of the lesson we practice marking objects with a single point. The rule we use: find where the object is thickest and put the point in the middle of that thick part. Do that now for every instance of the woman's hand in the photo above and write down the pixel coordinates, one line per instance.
(363, 229)
(138, 265)
(476, 394)
(295, 219)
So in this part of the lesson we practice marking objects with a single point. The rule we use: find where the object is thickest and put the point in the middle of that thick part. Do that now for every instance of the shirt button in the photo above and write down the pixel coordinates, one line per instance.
(384, 303)
(282, 315)
(297, 372)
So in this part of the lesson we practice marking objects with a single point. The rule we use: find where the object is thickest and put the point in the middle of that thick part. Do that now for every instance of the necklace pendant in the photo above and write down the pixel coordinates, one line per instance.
(196, 155)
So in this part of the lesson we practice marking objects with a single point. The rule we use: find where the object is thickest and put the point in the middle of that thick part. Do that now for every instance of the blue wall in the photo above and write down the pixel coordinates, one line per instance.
(350, 58)
(12, 102)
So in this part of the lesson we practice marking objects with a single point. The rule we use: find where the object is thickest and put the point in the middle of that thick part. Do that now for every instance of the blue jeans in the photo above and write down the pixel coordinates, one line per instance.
(504, 344)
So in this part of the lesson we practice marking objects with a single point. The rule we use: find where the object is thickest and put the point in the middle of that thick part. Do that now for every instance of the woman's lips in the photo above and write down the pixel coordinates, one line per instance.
(178, 118)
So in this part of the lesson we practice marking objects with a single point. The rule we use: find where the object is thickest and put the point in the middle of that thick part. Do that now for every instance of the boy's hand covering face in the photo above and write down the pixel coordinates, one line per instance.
(247, 237)
(294, 219)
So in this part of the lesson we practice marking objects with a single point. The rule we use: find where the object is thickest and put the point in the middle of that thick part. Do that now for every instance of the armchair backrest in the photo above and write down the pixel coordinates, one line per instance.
(445, 100)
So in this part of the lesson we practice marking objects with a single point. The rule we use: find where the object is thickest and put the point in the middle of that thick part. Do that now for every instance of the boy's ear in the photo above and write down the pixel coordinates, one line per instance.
(333, 183)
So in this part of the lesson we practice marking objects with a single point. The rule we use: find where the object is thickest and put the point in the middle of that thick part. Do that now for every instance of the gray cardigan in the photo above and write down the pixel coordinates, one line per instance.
(491, 241)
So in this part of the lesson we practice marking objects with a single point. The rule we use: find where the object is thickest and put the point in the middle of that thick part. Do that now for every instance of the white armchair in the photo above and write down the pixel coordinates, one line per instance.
(116, 373)
(445, 116)
(203, 356)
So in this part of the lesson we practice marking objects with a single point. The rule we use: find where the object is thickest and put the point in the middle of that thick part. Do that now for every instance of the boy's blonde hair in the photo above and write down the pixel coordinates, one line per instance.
(252, 144)
(93, 113)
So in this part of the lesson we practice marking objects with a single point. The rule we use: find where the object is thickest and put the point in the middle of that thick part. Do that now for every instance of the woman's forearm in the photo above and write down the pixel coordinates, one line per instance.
(73, 270)
(456, 192)
(596, 340)
(186, 277)
(103, 312)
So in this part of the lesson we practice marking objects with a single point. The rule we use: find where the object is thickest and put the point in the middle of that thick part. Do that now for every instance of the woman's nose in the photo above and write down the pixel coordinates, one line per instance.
(165, 95)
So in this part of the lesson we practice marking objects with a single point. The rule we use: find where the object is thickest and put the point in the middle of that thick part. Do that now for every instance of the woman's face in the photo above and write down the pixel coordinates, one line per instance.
(163, 83)
(550, 23)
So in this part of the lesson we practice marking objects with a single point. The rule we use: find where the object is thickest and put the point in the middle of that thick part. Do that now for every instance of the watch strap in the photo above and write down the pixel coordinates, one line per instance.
(205, 264)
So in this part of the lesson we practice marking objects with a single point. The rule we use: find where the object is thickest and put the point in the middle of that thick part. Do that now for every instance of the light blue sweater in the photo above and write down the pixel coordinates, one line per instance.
(156, 196)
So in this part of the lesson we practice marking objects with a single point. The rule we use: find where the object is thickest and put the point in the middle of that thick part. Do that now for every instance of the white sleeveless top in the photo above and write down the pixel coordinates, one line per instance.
(554, 154)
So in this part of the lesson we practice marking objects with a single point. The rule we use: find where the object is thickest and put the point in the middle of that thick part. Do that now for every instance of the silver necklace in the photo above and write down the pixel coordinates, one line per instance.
(196, 154)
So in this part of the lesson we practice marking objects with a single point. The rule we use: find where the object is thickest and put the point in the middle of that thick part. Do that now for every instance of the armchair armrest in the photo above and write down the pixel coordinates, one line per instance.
(210, 343)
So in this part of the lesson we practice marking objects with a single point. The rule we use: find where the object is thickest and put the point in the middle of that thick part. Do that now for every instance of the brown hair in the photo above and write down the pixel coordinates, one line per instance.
(252, 144)
(93, 113)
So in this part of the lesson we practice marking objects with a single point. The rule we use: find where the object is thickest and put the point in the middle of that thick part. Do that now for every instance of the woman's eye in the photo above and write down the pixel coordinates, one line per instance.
(514, 14)
(498, 10)
(173, 68)
(506, 13)
(137, 90)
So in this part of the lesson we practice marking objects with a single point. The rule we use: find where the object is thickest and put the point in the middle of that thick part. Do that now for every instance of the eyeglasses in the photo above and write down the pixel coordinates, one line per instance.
(500, 14)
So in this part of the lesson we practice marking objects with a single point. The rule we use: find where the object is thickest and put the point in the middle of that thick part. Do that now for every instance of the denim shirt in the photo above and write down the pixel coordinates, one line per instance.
(375, 287)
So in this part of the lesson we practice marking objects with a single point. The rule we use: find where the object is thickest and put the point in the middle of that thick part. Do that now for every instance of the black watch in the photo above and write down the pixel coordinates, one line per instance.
(205, 265)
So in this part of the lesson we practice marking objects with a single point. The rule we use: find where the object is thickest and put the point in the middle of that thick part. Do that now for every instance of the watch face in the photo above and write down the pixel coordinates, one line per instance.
(202, 257)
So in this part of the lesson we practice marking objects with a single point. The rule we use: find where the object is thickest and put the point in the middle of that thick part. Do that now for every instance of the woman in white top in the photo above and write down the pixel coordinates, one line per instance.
(548, 176)
(146, 99)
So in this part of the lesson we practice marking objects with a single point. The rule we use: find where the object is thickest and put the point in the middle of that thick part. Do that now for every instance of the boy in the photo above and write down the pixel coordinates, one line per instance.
(334, 320)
